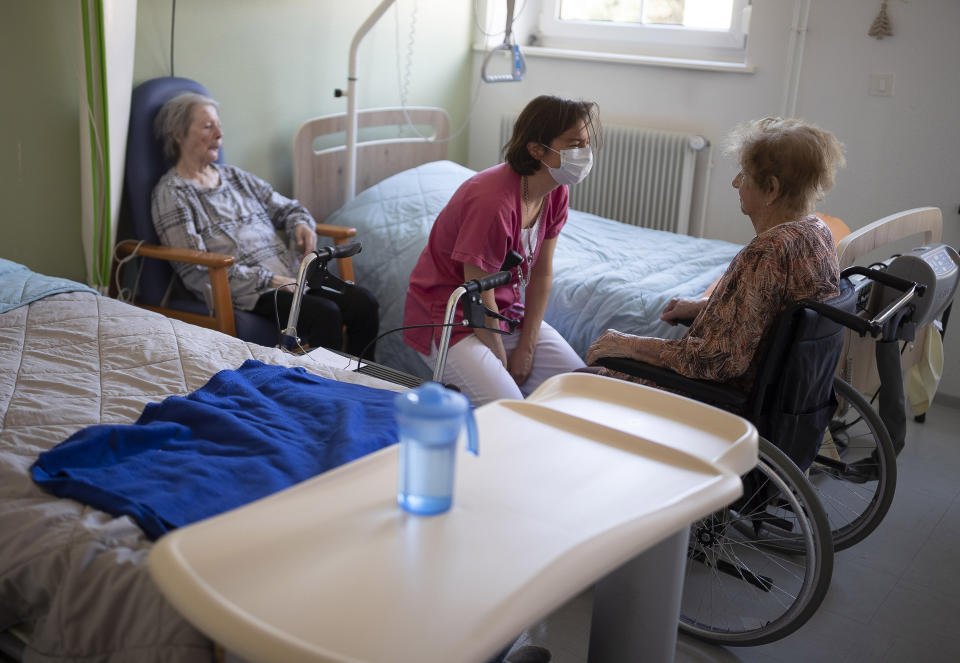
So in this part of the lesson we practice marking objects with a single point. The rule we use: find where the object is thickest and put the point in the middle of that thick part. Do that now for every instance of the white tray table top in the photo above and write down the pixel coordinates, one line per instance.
(333, 570)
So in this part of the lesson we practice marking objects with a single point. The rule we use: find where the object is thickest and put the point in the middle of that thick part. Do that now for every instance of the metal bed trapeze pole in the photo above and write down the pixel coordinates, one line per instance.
(519, 68)
(351, 147)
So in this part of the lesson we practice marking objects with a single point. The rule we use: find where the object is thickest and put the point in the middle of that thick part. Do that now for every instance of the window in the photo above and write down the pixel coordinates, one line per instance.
(706, 29)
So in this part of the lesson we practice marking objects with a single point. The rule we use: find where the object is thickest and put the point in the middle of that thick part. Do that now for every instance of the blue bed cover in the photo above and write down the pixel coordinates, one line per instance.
(20, 286)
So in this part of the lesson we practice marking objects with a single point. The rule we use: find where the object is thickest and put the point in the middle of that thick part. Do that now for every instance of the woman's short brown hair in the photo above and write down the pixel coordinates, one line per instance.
(804, 158)
(541, 121)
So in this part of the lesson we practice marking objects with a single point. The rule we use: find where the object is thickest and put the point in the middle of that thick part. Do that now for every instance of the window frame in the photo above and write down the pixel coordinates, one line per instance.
(646, 39)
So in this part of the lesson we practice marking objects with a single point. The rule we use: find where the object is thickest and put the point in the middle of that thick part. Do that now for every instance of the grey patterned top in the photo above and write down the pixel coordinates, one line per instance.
(242, 217)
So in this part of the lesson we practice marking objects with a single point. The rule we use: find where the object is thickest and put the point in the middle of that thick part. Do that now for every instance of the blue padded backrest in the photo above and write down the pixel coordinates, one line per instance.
(795, 385)
(144, 167)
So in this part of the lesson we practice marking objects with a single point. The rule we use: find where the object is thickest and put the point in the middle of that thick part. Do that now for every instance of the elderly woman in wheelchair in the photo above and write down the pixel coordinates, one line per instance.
(785, 165)
(766, 344)
(202, 205)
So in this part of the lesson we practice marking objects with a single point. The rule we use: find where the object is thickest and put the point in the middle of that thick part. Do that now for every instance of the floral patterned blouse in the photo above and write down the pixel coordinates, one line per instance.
(791, 261)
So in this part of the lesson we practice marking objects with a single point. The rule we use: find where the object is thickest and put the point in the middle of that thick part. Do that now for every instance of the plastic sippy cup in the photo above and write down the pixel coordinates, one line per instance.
(430, 419)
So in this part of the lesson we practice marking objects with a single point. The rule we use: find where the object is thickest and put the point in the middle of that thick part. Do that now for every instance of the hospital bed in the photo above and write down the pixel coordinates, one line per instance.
(73, 580)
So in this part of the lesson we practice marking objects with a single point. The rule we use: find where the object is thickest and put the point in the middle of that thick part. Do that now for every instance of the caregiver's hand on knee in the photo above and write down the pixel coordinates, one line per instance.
(520, 364)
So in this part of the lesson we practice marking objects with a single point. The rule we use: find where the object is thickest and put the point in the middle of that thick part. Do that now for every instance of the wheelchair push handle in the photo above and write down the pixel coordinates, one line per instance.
(910, 290)
(873, 326)
(903, 285)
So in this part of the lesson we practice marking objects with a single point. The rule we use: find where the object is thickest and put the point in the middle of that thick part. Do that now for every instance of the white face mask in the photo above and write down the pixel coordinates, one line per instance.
(574, 167)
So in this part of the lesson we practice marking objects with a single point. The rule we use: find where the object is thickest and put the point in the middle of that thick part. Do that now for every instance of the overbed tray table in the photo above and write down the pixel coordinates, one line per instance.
(570, 485)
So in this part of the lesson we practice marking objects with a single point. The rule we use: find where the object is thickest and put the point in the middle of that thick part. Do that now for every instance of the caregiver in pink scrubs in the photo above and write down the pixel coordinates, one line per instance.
(519, 205)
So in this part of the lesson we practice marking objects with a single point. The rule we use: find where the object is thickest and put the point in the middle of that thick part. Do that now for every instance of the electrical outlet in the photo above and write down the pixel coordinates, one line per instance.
(880, 85)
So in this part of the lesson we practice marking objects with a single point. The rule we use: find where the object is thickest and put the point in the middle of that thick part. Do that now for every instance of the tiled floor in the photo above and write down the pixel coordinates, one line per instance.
(894, 597)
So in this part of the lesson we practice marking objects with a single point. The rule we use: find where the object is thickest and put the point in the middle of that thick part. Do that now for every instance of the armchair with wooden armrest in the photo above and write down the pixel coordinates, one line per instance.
(222, 317)
(158, 287)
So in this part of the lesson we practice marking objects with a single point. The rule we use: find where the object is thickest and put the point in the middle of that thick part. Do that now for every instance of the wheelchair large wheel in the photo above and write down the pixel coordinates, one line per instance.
(739, 590)
(855, 472)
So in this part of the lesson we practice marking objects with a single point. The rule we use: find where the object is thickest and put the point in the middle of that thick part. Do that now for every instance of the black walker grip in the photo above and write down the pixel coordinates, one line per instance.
(485, 283)
(336, 252)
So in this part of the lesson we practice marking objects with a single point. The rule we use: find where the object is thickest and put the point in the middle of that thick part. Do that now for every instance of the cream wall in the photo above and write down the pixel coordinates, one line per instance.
(902, 151)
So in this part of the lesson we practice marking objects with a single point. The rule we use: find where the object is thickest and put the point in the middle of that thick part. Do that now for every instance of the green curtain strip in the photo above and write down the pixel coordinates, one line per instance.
(95, 70)
(106, 230)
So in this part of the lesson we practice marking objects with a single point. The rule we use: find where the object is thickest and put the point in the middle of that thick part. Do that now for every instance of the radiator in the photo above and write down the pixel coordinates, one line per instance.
(644, 177)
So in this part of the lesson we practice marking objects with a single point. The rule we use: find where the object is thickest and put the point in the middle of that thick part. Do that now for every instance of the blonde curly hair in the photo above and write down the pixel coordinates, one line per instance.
(801, 156)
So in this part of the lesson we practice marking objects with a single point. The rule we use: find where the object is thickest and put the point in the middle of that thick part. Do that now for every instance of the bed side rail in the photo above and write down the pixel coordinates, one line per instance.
(926, 220)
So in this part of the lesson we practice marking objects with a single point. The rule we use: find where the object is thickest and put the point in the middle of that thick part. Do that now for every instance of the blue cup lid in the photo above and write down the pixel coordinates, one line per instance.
(432, 400)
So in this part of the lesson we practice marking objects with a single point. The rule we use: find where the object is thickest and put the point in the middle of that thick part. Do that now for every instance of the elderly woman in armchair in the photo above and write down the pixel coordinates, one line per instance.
(785, 167)
(199, 204)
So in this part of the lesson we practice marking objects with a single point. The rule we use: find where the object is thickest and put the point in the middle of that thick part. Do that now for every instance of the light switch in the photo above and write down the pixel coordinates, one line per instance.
(881, 85)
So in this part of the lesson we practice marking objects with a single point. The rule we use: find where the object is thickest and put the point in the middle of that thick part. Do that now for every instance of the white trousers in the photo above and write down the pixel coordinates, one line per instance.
(477, 372)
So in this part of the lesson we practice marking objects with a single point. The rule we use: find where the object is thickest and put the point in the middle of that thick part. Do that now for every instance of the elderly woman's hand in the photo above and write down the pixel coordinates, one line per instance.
(306, 239)
(282, 282)
(681, 309)
(611, 343)
(617, 344)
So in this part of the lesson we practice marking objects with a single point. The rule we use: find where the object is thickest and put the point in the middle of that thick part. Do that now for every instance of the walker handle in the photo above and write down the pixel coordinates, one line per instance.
(485, 283)
(496, 279)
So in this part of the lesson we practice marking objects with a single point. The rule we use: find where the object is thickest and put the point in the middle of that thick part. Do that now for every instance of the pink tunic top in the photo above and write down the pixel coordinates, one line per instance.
(480, 224)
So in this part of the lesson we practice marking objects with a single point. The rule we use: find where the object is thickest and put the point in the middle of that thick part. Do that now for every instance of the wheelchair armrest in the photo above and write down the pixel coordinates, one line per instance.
(853, 322)
(716, 393)
(216, 264)
(340, 235)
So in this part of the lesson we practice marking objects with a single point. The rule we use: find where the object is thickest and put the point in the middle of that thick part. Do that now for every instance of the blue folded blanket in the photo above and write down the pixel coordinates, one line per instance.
(245, 434)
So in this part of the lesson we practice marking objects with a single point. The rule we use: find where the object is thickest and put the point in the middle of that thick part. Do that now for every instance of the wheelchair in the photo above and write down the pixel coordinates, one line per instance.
(759, 569)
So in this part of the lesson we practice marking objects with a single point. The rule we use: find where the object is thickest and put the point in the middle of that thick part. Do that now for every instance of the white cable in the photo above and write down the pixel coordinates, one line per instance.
(403, 80)
(127, 295)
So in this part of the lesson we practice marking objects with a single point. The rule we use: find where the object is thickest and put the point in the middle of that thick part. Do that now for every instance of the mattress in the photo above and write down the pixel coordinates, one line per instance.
(605, 275)
(72, 577)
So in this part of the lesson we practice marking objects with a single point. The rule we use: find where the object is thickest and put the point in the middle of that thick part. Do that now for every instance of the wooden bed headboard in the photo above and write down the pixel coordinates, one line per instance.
(319, 177)
(889, 229)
